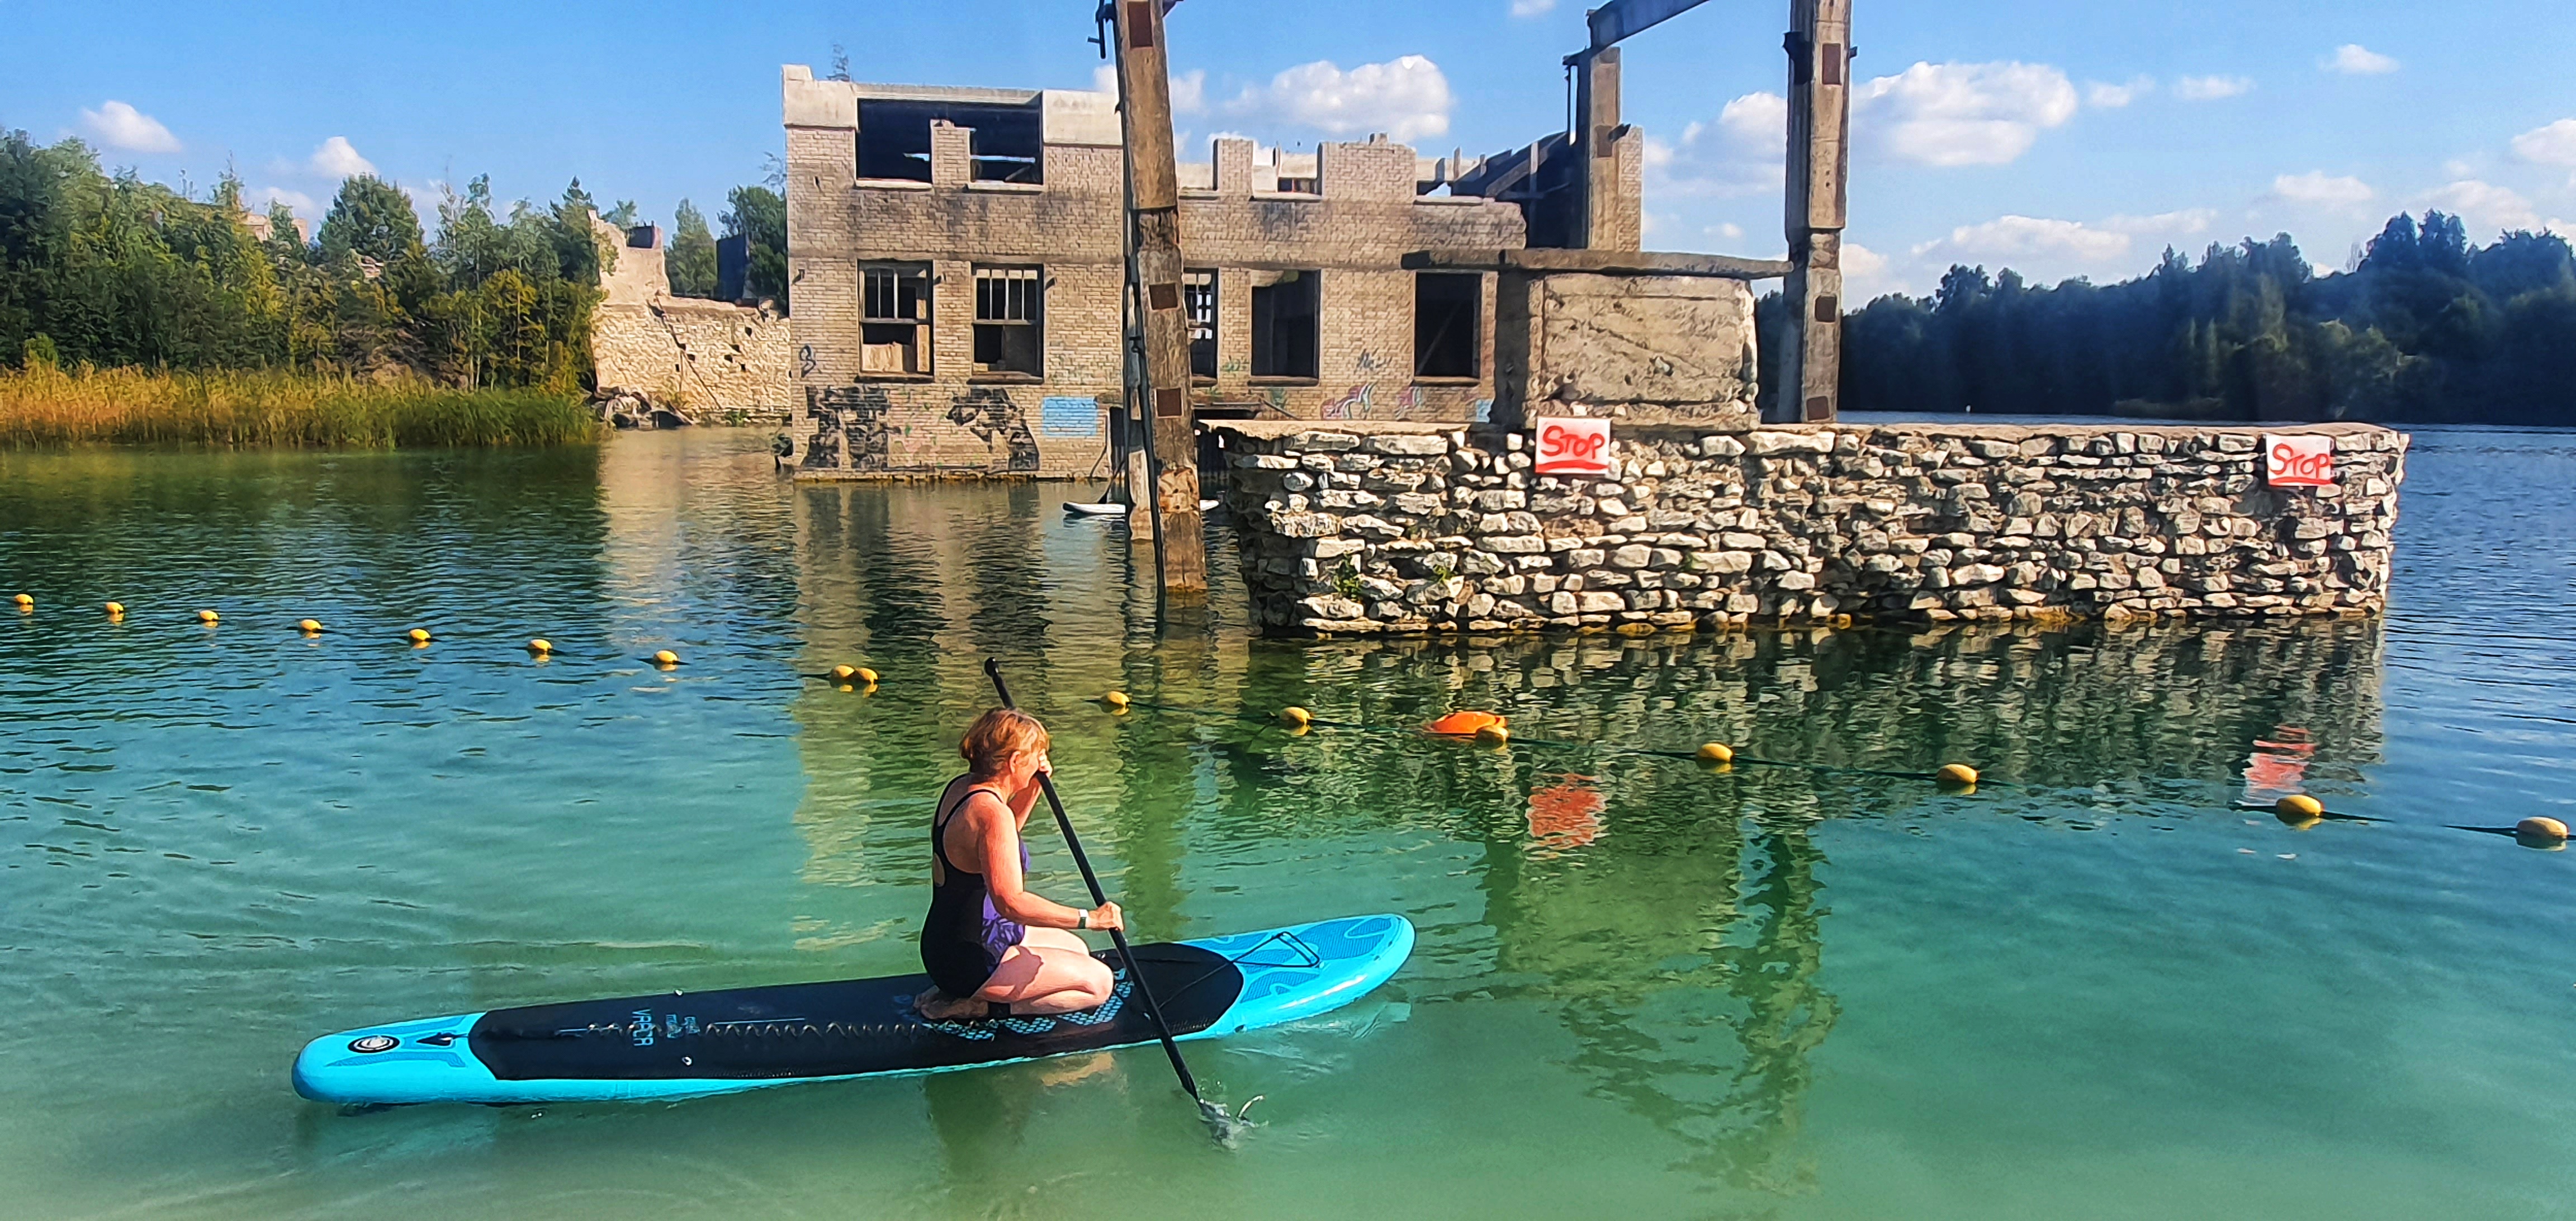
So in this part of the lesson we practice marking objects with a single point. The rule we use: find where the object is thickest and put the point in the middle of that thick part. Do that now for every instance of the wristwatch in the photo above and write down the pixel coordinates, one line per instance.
(1082, 920)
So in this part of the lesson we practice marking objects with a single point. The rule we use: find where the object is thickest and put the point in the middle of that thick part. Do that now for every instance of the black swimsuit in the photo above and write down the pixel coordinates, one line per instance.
(963, 939)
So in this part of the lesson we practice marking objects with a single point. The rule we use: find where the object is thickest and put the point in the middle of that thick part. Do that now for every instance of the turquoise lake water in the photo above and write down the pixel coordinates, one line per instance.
(2092, 988)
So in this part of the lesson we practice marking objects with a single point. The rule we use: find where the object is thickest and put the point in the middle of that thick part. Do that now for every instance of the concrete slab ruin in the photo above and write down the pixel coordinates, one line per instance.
(683, 357)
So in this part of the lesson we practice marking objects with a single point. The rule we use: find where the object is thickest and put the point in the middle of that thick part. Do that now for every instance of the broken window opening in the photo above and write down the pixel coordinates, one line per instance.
(1198, 299)
(1446, 337)
(1005, 143)
(1301, 186)
(1009, 320)
(894, 319)
(1287, 310)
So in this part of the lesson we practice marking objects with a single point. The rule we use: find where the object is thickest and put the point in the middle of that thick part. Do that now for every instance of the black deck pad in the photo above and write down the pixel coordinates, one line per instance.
(832, 1029)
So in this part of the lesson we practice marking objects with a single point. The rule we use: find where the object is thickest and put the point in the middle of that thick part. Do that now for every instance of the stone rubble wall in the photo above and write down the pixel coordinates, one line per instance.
(1382, 528)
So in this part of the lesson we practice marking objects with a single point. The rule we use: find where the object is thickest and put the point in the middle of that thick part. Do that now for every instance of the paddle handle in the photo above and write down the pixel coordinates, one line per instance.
(1064, 823)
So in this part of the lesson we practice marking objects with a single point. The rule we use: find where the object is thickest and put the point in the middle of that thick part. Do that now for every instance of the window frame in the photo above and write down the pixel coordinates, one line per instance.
(1262, 333)
(1200, 298)
(923, 280)
(1473, 303)
(992, 312)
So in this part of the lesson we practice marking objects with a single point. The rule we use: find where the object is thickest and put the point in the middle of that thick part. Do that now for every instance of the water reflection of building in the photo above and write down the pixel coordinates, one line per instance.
(1680, 942)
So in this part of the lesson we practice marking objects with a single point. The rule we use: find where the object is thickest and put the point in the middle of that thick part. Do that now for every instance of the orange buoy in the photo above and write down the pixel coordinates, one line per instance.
(115, 610)
(26, 602)
(666, 659)
(1466, 724)
(209, 618)
(310, 627)
(419, 637)
(1716, 752)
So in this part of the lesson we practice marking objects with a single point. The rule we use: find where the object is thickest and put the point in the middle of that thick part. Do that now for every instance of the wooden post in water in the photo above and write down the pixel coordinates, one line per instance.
(1819, 44)
(1154, 218)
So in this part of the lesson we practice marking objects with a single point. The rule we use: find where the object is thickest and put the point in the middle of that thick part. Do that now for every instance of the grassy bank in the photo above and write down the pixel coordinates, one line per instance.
(45, 408)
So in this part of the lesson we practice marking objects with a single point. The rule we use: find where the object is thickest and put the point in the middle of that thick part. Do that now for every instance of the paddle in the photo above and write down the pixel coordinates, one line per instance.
(1220, 1125)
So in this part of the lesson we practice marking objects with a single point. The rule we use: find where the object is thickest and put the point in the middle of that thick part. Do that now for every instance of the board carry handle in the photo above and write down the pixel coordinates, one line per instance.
(1218, 1122)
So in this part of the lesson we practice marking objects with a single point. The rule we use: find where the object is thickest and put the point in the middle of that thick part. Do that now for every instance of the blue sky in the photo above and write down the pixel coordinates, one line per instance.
(2060, 139)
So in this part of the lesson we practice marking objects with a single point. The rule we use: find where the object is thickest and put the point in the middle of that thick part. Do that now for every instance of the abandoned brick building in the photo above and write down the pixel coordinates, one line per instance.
(957, 266)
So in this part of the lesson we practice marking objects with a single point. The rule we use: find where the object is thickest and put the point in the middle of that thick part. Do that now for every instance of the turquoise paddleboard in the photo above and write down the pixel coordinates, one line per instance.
(683, 1045)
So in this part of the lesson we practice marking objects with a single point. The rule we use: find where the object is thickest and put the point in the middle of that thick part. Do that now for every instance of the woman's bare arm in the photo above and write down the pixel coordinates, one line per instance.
(997, 838)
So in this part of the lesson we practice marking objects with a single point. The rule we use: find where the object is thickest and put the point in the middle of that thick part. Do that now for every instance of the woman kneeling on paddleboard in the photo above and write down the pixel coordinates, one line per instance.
(992, 948)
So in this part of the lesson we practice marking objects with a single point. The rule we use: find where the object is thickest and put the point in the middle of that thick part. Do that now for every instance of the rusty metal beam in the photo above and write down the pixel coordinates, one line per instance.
(1619, 20)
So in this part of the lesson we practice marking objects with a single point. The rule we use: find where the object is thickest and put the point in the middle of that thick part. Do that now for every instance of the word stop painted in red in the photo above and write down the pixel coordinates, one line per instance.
(1573, 446)
(2298, 461)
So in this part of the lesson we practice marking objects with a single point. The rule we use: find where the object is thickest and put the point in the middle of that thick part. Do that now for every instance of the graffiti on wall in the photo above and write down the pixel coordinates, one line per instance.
(993, 415)
(1351, 406)
(859, 416)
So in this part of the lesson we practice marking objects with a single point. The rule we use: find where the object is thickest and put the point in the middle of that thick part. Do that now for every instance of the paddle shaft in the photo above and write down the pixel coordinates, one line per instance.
(1064, 823)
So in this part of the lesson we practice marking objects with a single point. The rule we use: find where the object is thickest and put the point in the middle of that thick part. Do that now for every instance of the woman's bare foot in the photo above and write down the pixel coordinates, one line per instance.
(938, 1006)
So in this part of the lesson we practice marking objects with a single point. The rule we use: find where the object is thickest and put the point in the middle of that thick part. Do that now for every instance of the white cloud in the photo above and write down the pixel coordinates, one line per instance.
(1407, 98)
(2354, 59)
(1728, 230)
(1740, 154)
(2211, 88)
(1755, 121)
(337, 158)
(2554, 144)
(1865, 275)
(1963, 114)
(1532, 8)
(296, 201)
(2485, 206)
(2188, 222)
(1104, 79)
(2105, 96)
(119, 125)
(2010, 237)
(2320, 189)
(1189, 92)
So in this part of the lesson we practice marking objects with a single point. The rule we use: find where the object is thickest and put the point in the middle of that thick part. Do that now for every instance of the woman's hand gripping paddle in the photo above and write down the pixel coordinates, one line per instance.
(1221, 1125)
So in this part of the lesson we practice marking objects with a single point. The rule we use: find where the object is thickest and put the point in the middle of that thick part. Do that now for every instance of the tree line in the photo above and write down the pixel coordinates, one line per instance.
(2426, 328)
(113, 271)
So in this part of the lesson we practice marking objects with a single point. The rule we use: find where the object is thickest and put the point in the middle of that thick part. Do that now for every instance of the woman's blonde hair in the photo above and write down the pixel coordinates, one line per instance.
(997, 736)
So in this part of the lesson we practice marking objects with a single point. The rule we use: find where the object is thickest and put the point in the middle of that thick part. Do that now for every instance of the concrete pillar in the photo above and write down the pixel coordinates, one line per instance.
(1154, 212)
(1608, 217)
(1819, 45)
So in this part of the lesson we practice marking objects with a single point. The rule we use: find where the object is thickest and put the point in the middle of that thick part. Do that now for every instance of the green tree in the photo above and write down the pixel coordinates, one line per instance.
(759, 214)
(691, 260)
(373, 219)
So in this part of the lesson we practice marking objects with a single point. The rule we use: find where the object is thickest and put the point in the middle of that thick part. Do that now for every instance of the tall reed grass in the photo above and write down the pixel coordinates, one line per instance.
(42, 407)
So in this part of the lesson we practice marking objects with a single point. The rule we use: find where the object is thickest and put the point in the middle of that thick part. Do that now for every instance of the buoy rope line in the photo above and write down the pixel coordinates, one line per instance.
(1296, 718)
(2298, 809)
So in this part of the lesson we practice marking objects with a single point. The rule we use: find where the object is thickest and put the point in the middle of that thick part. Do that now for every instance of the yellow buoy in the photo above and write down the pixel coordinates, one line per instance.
(1716, 752)
(2538, 827)
(666, 657)
(208, 617)
(541, 646)
(418, 635)
(25, 602)
(1117, 701)
(2298, 806)
(310, 627)
(1956, 773)
(1294, 715)
(845, 674)
(1493, 735)
(115, 610)
(865, 676)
